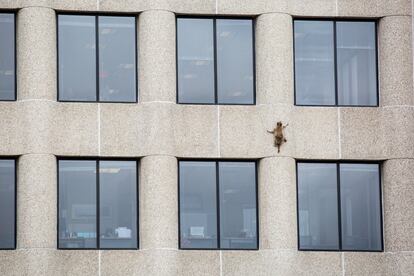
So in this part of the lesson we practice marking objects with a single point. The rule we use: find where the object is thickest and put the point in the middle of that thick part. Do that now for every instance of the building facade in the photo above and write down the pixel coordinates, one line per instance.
(39, 130)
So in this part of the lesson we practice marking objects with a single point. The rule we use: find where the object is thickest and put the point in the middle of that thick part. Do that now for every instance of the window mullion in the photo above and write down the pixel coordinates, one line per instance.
(97, 56)
(218, 206)
(215, 60)
(335, 63)
(97, 206)
(338, 177)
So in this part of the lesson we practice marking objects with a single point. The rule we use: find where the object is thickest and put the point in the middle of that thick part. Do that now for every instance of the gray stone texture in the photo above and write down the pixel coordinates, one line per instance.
(277, 203)
(398, 197)
(158, 202)
(274, 59)
(156, 34)
(36, 53)
(36, 201)
(395, 61)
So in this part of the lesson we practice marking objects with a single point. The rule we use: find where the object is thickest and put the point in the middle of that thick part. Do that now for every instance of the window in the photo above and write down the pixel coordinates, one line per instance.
(335, 63)
(98, 210)
(97, 58)
(7, 57)
(339, 206)
(218, 205)
(7, 203)
(215, 61)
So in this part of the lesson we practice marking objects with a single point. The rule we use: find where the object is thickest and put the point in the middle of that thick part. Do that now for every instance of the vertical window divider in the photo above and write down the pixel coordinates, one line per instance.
(215, 59)
(97, 207)
(218, 206)
(338, 185)
(335, 62)
(97, 56)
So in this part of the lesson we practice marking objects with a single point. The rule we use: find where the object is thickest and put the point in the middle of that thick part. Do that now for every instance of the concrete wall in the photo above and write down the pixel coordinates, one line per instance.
(37, 128)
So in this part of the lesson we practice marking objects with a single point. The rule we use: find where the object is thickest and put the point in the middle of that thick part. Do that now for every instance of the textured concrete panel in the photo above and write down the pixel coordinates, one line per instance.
(36, 54)
(178, 6)
(312, 132)
(158, 202)
(11, 134)
(36, 201)
(396, 61)
(373, 8)
(249, 7)
(362, 132)
(193, 6)
(48, 262)
(37, 126)
(387, 264)
(315, 132)
(195, 130)
(274, 59)
(136, 130)
(75, 5)
(130, 5)
(398, 134)
(398, 196)
(75, 129)
(160, 262)
(243, 131)
(157, 56)
(277, 203)
(284, 262)
(313, 8)
(17, 4)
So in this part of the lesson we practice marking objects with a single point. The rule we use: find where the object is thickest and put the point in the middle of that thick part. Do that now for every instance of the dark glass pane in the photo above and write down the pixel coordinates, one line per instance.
(118, 204)
(357, 72)
(7, 201)
(198, 208)
(77, 204)
(7, 66)
(195, 60)
(235, 61)
(77, 58)
(314, 63)
(238, 221)
(318, 206)
(117, 62)
(360, 207)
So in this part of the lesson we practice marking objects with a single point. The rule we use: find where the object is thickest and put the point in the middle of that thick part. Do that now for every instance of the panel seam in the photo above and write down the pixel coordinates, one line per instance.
(339, 133)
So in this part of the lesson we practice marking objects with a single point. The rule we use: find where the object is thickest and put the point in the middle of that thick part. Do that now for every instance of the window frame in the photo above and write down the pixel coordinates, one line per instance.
(214, 18)
(14, 12)
(97, 15)
(339, 211)
(334, 21)
(97, 160)
(217, 161)
(15, 159)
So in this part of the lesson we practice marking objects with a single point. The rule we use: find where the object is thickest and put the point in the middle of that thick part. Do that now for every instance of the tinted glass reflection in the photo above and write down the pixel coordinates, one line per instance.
(357, 73)
(318, 206)
(117, 60)
(360, 207)
(195, 52)
(314, 63)
(7, 57)
(7, 204)
(198, 209)
(77, 204)
(235, 61)
(77, 58)
(238, 222)
(118, 204)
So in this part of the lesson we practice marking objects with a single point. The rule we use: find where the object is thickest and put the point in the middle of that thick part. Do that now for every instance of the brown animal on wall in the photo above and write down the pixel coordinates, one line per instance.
(278, 135)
